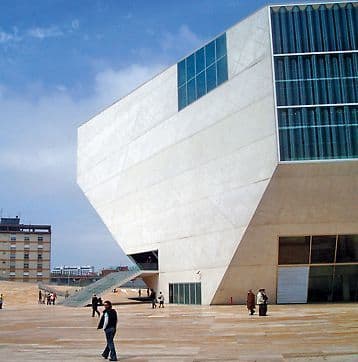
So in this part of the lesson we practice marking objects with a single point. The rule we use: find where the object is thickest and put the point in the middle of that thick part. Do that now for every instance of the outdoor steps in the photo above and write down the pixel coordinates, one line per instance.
(111, 281)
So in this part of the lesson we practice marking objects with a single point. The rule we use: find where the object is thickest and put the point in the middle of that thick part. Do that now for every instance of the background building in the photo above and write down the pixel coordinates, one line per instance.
(25, 251)
(73, 270)
(237, 167)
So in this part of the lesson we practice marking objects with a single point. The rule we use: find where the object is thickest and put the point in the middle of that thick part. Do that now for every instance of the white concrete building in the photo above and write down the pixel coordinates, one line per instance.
(237, 167)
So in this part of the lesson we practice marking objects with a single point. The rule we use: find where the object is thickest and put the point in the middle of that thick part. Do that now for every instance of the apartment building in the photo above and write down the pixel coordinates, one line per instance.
(25, 251)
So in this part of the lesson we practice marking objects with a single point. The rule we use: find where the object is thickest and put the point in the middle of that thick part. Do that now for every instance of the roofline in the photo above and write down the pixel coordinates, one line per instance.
(207, 42)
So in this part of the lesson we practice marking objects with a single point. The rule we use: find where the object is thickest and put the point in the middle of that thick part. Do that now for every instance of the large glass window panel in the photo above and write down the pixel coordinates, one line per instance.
(221, 46)
(198, 293)
(210, 53)
(192, 293)
(175, 293)
(323, 249)
(294, 250)
(200, 60)
(181, 294)
(211, 77)
(182, 98)
(186, 291)
(201, 84)
(221, 67)
(345, 286)
(320, 284)
(190, 67)
(171, 296)
(206, 68)
(347, 249)
(181, 73)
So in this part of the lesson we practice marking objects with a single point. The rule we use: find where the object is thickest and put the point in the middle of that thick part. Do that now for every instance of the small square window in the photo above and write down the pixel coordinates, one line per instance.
(211, 77)
(210, 53)
(190, 67)
(181, 73)
(221, 46)
(191, 91)
(200, 60)
(12, 238)
(40, 238)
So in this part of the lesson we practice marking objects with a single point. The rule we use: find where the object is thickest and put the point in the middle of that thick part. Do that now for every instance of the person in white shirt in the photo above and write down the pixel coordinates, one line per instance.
(161, 300)
(261, 300)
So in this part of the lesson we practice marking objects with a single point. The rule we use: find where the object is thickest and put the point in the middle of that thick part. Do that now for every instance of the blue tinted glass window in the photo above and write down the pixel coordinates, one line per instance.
(200, 60)
(221, 66)
(211, 77)
(221, 46)
(182, 100)
(191, 91)
(181, 73)
(316, 94)
(210, 53)
(190, 67)
(201, 84)
(202, 71)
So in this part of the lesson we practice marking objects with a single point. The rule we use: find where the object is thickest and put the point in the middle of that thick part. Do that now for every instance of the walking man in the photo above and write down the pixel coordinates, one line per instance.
(40, 297)
(109, 324)
(95, 305)
(161, 300)
(250, 302)
(262, 302)
(1, 300)
(153, 297)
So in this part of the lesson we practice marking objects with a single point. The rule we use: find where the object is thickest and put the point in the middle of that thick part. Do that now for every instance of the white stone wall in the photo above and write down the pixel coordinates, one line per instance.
(186, 183)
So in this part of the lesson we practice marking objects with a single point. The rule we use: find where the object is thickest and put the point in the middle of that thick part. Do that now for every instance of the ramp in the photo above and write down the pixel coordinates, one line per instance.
(101, 286)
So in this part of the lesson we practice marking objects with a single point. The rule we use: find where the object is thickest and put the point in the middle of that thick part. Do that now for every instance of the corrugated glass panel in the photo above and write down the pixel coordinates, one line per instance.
(328, 131)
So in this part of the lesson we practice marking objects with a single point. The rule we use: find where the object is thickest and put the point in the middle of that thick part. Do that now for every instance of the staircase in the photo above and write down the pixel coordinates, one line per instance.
(105, 284)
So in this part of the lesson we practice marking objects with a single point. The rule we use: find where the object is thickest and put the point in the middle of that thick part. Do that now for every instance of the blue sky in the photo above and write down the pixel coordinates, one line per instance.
(61, 62)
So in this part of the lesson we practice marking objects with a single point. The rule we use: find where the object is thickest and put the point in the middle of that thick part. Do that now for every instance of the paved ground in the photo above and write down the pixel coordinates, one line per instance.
(186, 333)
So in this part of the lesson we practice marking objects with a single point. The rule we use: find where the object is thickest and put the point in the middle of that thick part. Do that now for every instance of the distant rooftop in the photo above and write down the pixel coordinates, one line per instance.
(12, 224)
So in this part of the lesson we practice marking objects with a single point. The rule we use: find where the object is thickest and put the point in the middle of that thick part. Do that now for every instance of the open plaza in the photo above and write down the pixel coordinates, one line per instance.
(295, 333)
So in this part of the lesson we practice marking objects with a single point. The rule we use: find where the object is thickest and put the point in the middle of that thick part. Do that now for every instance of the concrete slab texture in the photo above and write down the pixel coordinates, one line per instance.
(292, 333)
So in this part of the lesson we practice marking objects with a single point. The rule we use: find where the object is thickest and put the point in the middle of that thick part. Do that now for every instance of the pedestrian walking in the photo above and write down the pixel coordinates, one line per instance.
(262, 302)
(139, 293)
(95, 305)
(53, 298)
(40, 297)
(250, 302)
(108, 323)
(161, 300)
(153, 298)
(1, 301)
(48, 299)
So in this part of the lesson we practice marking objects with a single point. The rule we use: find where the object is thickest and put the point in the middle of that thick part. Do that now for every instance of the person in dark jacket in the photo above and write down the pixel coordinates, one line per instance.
(250, 302)
(95, 305)
(108, 322)
(153, 298)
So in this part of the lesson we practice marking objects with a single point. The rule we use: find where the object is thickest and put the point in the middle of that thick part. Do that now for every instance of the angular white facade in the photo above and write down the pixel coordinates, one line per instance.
(189, 183)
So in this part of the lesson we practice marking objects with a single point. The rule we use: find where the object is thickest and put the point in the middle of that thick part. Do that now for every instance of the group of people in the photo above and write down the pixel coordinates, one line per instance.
(155, 300)
(48, 298)
(260, 299)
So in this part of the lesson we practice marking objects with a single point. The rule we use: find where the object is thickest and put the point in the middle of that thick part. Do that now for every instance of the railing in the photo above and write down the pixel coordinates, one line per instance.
(112, 280)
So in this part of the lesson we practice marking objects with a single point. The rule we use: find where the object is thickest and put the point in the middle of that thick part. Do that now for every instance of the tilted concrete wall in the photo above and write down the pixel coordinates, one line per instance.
(186, 183)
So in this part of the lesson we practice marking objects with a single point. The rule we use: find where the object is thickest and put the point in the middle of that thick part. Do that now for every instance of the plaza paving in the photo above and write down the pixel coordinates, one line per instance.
(182, 333)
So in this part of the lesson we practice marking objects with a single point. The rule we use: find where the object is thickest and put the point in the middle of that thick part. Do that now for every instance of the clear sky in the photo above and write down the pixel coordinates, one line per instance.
(60, 62)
